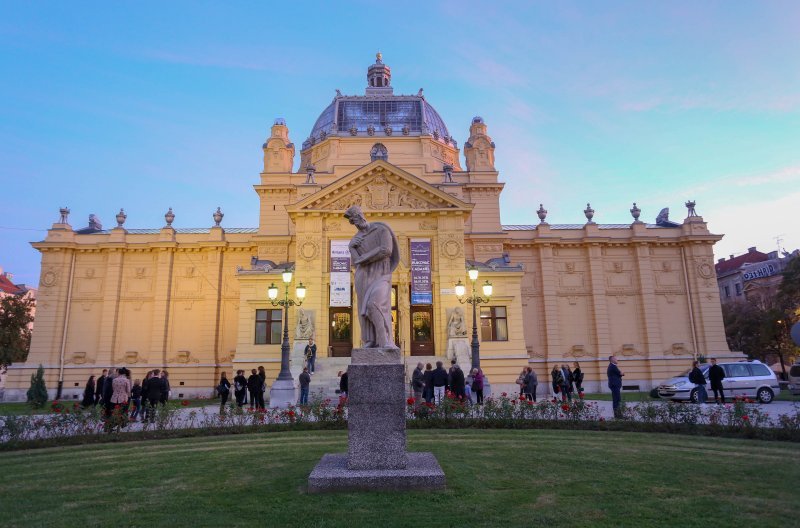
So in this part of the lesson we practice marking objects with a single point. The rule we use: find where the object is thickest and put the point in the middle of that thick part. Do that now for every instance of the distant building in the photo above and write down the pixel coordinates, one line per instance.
(753, 276)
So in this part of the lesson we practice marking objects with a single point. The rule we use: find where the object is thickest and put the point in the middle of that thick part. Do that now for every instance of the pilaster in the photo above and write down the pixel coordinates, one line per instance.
(599, 301)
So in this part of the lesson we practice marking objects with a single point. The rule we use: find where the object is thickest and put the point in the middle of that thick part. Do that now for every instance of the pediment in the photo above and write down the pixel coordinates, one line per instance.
(380, 186)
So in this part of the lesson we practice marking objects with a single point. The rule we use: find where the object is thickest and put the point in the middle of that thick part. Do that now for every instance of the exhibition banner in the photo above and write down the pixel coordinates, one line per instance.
(340, 273)
(421, 288)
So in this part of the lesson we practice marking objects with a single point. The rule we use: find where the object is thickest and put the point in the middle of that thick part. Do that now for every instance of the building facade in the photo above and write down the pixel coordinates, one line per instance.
(194, 301)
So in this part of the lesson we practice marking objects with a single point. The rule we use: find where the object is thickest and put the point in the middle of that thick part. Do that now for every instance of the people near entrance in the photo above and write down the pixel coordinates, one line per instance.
(417, 382)
(577, 377)
(343, 384)
(305, 382)
(428, 377)
(614, 375)
(715, 375)
(696, 377)
(311, 355)
(254, 388)
(529, 384)
(165, 389)
(98, 390)
(477, 385)
(88, 392)
(557, 381)
(224, 390)
(136, 400)
(262, 375)
(240, 388)
(566, 385)
(458, 383)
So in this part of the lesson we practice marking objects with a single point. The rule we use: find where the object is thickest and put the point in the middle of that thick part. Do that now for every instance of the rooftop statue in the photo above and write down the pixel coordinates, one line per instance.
(375, 255)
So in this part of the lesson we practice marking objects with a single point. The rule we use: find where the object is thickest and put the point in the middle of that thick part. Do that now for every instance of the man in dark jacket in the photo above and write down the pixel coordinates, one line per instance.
(343, 384)
(715, 375)
(696, 377)
(152, 389)
(418, 382)
(254, 387)
(439, 381)
(457, 384)
(566, 388)
(529, 383)
(615, 384)
(98, 390)
(305, 382)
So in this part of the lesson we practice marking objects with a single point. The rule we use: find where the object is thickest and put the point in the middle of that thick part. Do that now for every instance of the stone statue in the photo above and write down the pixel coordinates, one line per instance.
(375, 254)
(305, 326)
(456, 326)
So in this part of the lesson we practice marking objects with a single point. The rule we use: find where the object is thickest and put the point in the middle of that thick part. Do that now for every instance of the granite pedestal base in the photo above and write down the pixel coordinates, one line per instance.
(422, 472)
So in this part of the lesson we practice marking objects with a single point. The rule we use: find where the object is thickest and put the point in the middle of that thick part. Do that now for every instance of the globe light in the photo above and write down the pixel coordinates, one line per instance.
(487, 289)
(473, 273)
(301, 291)
(460, 289)
(272, 292)
(287, 277)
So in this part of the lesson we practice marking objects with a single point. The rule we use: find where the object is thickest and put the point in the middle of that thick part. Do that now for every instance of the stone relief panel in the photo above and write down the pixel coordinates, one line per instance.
(451, 246)
(308, 248)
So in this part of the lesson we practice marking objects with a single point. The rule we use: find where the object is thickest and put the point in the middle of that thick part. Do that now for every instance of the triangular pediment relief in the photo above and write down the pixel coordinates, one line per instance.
(380, 186)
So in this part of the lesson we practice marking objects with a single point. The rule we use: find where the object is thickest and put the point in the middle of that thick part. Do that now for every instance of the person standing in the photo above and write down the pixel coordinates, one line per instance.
(240, 387)
(262, 374)
(121, 391)
(136, 400)
(165, 388)
(457, 383)
(614, 375)
(566, 385)
(88, 393)
(311, 355)
(577, 376)
(343, 385)
(439, 380)
(521, 381)
(530, 383)
(428, 391)
(254, 388)
(224, 390)
(696, 377)
(152, 390)
(305, 382)
(477, 385)
(98, 391)
(715, 375)
(558, 380)
(108, 391)
(417, 383)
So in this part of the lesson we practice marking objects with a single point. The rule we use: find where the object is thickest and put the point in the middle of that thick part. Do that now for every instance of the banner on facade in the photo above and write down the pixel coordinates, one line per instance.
(421, 288)
(340, 273)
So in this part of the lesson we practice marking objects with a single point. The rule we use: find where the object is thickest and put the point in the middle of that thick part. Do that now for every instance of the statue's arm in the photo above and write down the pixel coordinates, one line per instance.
(382, 250)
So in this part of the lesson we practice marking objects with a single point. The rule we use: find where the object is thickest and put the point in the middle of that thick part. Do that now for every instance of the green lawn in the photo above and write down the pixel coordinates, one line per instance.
(495, 478)
(17, 408)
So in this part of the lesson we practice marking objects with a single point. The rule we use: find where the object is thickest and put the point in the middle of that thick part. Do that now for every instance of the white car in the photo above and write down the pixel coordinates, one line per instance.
(748, 379)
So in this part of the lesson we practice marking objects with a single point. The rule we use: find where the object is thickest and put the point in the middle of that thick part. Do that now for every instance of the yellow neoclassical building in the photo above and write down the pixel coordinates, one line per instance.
(194, 301)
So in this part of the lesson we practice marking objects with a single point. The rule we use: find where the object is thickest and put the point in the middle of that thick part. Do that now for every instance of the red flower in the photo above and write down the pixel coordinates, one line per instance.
(530, 402)
(185, 403)
(565, 407)
(504, 394)
(521, 397)
(410, 401)
(745, 418)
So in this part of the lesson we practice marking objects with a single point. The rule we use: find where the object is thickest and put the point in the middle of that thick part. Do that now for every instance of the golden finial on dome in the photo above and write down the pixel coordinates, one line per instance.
(379, 56)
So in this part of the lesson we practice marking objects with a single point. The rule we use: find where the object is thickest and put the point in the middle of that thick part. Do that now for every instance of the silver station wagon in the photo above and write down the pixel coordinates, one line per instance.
(748, 379)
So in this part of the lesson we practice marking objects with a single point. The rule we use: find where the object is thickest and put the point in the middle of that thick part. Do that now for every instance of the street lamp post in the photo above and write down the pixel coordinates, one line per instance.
(282, 392)
(474, 299)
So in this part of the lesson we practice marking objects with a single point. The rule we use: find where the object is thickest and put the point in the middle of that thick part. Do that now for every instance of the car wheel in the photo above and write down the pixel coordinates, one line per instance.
(693, 396)
(765, 395)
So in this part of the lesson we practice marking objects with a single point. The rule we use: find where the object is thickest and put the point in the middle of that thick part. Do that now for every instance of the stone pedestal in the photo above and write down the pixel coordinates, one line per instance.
(282, 394)
(376, 456)
(459, 348)
(297, 360)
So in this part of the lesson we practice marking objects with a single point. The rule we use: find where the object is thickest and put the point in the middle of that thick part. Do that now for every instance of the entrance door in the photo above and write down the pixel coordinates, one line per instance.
(422, 331)
(341, 332)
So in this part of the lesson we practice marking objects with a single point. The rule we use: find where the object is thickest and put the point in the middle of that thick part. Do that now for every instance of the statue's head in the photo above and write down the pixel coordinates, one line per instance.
(356, 217)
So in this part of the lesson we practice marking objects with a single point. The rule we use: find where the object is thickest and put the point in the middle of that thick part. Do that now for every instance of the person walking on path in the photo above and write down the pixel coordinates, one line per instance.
(477, 385)
(311, 355)
(98, 388)
(343, 385)
(417, 383)
(305, 381)
(254, 388)
(88, 393)
(577, 377)
(530, 382)
(566, 386)
(136, 400)
(458, 383)
(439, 380)
(224, 390)
(240, 387)
(152, 389)
(428, 391)
(696, 377)
(614, 375)
(558, 380)
(715, 375)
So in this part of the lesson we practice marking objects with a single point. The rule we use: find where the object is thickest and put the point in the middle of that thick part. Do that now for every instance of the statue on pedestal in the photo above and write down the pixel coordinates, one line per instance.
(375, 254)
(457, 326)
(305, 326)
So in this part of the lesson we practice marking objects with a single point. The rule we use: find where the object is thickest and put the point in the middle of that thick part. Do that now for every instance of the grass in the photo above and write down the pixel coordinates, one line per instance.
(19, 408)
(495, 478)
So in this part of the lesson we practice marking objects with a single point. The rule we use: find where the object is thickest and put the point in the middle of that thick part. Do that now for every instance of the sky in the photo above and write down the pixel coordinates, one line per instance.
(150, 105)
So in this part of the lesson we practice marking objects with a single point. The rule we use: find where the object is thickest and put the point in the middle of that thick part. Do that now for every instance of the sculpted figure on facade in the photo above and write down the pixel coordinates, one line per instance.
(375, 254)
(305, 326)
(457, 326)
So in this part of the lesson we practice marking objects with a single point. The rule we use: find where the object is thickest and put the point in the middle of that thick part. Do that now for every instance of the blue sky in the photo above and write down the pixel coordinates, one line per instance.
(151, 105)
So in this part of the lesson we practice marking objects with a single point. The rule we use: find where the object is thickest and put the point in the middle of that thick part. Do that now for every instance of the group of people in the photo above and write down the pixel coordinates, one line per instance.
(432, 384)
(565, 381)
(715, 375)
(113, 390)
(245, 389)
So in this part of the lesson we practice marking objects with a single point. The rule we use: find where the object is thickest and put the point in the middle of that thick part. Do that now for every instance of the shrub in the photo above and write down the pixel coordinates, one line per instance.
(37, 393)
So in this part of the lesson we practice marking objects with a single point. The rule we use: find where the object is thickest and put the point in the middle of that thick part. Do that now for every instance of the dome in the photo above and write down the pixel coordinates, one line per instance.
(379, 113)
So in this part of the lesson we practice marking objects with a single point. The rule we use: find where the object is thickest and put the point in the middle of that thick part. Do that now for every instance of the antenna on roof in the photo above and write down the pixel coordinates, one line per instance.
(779, 241)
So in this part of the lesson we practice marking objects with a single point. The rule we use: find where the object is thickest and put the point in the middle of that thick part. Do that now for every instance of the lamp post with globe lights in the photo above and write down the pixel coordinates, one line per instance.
(474, 299)
(282, 392)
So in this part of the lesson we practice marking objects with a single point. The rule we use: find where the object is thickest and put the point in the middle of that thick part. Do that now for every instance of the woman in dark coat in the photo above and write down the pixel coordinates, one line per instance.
(427, 392)
(577, 376)
(558, 380)
(254, 388)
(88, 393)
(224, 390)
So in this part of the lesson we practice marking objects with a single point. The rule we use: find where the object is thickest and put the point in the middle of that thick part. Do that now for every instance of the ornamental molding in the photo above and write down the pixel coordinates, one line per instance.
(308, 249)
(451, 246)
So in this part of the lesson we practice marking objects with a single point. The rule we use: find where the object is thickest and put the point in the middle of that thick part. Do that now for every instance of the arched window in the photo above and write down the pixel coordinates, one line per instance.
(378, 152)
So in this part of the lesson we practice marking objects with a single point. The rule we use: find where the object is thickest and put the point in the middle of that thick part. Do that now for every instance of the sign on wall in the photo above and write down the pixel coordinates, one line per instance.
(340, 273)
(759, 272)
(421, 288)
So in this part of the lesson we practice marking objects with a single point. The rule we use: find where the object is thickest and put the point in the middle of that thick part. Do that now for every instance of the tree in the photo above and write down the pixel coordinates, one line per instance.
(37, 394)
(789, 290)
(15, 334)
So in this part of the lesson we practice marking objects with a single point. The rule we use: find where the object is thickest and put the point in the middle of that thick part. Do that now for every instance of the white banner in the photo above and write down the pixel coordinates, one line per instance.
(340, 273)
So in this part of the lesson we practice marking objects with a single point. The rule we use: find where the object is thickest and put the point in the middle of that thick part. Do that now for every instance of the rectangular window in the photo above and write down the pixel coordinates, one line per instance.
(268, 327)
(494, 325)
(727, 291)
(738, 289)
